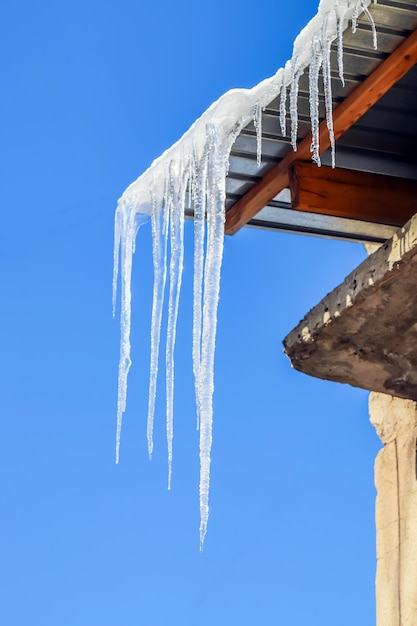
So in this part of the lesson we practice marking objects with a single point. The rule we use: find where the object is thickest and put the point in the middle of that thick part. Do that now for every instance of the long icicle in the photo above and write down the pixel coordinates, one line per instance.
(214, 256)
(372, 23)
(340, 16)
(160, 224)
(314, 97)
(295, 77)
(128, 224)
(327, 82)
(176, 207)
(283, 109)
(199, 195)
(257, 120)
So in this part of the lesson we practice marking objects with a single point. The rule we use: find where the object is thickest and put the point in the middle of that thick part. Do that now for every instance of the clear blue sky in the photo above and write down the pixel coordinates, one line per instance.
(91, 94)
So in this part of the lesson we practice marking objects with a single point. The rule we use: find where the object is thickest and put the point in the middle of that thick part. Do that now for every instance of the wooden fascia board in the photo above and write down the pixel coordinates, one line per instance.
(356, 104)
(356, 195)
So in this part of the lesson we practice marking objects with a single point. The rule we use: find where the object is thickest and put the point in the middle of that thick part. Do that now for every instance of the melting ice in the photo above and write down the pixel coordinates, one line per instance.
(192, 174)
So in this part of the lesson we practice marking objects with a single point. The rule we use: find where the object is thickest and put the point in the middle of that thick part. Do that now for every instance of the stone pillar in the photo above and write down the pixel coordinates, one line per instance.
(395, 421)
(364, 333)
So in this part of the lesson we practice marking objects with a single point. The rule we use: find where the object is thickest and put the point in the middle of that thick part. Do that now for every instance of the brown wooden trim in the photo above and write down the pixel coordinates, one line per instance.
(357, 195)
(356, 104)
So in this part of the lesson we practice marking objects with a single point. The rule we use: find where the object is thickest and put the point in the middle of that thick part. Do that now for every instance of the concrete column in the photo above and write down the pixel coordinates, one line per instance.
(364, 333)
(395, 421)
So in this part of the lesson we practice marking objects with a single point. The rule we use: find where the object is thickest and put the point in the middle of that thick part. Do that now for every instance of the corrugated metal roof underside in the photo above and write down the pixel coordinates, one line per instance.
(383, 141)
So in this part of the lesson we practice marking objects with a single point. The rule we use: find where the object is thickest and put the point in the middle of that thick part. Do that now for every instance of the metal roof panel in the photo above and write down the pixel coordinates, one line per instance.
(382, 141)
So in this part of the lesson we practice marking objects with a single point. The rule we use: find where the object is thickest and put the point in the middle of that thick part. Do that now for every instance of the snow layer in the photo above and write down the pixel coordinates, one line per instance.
(192, 173)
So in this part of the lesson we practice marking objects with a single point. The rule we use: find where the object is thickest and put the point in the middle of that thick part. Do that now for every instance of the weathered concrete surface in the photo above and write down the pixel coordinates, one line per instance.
(395, 421)
(365, 331)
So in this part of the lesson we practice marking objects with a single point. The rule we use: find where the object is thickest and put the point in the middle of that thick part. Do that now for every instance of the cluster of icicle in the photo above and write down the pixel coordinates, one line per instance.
(192, 174)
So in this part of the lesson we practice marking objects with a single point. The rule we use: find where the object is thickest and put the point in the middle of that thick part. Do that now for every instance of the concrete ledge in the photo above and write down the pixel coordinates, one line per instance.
(364, 333)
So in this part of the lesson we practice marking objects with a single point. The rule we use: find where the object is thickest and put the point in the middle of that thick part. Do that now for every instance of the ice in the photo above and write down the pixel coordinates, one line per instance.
(191, 175)
(341, 25)
(283, 110)
(295, 77)
(178, 184)
(355, 18)
(127, 224)
(327, 83)
(314, 70)
(160, 222)
(198, 187)
(257, 119)
(218, 153)
(372, 23)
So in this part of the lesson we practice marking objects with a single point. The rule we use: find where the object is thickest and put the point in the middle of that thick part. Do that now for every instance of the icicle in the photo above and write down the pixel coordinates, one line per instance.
(218, 150)
(160, 220)
(340, 16)
(118, 225)
(257, 119)
(208, 146)
(283, 110)
(355, 18)
(372, 23)
(295, 77)
(315, 65)
(327, 82)
(176, 201)
(127, 225)
(199, 189)
(215, 235)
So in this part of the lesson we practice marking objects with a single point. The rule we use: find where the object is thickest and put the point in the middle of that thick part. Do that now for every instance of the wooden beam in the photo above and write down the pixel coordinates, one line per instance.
(357, 195)
(356, 104)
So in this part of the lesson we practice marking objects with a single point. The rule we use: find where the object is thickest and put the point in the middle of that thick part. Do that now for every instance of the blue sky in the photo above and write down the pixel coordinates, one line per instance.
(92, 93)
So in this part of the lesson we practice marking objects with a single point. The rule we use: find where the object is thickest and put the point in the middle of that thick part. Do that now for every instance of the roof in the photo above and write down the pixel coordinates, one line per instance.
(381, 141)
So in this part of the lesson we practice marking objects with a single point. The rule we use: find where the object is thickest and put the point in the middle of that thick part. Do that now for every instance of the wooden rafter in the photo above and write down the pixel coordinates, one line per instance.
(351, 194)
(355, 105)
